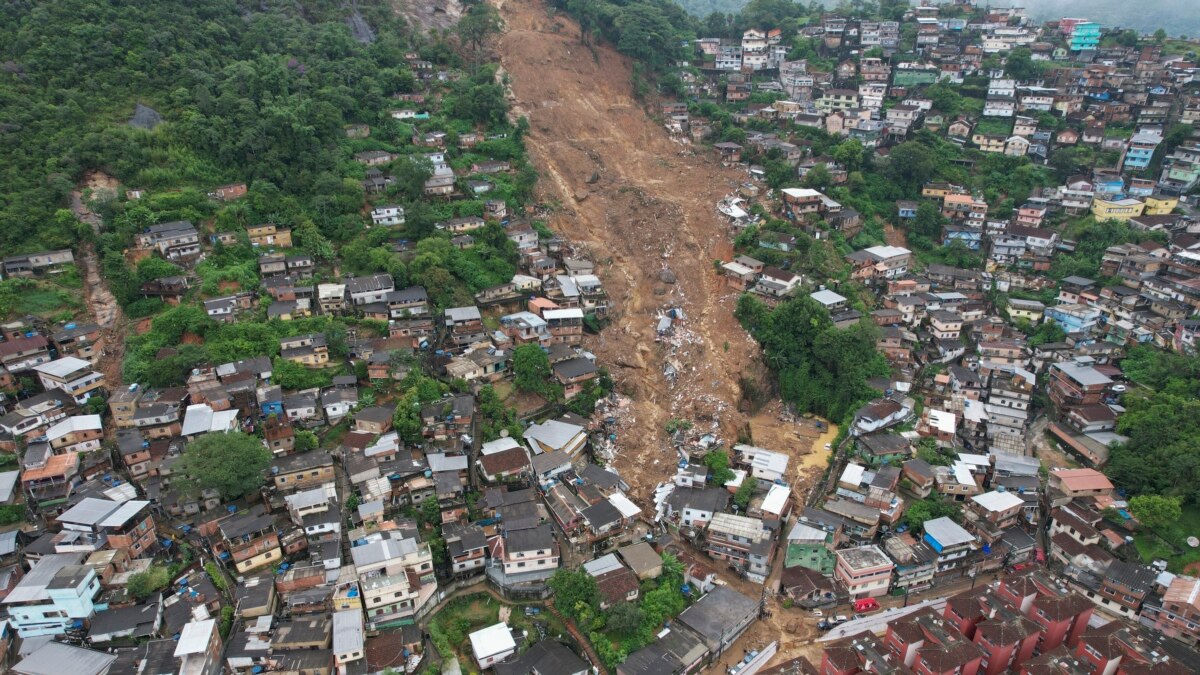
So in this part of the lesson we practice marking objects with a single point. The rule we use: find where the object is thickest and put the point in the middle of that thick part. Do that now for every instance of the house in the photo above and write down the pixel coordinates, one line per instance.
(79, 433)
(37, 264)
(72, 375)
(745, 543)
(950, 541)
(310, 350)
(878, 415)
(95, 524)
(177, 241)
(387, 215)
(880, 262)
(269, 234)
(55, 593)
(546, 657)
(302, 471)
(248, 539)
(530, 550)
(492, 645)
(720, 617)
(864, 571)
(764, 465)
(349, 642)
(696, 507)
(51, 658)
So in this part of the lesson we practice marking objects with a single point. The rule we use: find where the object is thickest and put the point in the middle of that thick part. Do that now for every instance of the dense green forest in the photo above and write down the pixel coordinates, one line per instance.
(256, 92)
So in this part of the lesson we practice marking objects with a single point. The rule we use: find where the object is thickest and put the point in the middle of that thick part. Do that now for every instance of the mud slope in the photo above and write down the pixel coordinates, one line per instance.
(643, 208)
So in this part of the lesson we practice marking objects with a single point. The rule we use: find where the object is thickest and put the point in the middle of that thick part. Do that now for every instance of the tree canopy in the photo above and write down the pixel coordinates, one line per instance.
(231, 463)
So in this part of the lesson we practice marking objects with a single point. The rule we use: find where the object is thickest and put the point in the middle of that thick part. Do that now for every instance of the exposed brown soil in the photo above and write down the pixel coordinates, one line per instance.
(643, 207)
(101, 304)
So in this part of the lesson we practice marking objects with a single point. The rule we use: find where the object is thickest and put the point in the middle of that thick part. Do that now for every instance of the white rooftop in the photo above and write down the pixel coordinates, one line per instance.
(194, 637)
(853, 474)
(622, 503)
(73, 424)
(62, 367)
(888, 251)
(498, 445)
(802, 532)
(602, 565)
(997, 501)
(491, 641)
(943, 421)
(776, 499)
(556, 314)
(827, 297)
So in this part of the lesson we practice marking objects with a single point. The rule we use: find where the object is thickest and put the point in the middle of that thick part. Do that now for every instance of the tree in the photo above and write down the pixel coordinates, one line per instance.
(624, 618)
(744, 492)
(531, 370)
(929, 452)
(1048, 331)
(305, 440)
(574, 591)
(310, 240)
(719, 472)
(476, 25)
(1160, 36)
(850, 154)
(231, 463)
(1020, 65)
(911, 164)
(1155, 511)
(144, 584)
(930, 508)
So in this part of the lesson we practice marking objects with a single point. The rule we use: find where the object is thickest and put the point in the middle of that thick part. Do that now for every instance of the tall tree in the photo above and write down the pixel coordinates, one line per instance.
(233, 464)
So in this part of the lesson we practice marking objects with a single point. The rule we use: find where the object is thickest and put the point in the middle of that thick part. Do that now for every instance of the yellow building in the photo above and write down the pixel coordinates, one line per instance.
(270, 235)
(989, 143)
(1160, 205)
(1117, 209)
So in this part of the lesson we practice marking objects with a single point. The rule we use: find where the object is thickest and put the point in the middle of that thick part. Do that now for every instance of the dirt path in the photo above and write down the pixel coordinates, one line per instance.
(643, 208)
(102, 305)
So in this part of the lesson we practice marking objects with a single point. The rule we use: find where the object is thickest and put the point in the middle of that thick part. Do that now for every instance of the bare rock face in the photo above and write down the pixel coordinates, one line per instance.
(430, 14)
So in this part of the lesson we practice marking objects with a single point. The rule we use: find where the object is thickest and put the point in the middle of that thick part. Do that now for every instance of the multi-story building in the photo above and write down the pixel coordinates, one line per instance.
(743, 542)
(310, 350)
(864, 571)
(269, 234)
(1074, 384)
(1140, 149)
(97, 524)
(396, 576)
(990, 514)
(72, 375)
(79, 433)
(248, 539)
(56, 593)
(1177, 612)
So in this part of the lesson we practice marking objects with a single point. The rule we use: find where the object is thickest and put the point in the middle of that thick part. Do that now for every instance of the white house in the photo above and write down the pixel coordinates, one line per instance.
(387, 215)
(764, 464)
(492, 645)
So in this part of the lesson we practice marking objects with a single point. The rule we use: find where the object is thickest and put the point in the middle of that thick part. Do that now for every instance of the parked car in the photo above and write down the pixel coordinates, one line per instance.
(829, 446)
(840, 619)
(824, 625)
(817, 612)
(866, 605)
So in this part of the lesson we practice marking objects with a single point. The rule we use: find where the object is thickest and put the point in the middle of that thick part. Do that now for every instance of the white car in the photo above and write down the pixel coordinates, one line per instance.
(817, 612)
(829, 446)
(1118, 388)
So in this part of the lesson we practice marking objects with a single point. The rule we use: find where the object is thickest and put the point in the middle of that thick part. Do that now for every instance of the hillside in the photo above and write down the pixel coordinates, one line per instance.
(643, 207)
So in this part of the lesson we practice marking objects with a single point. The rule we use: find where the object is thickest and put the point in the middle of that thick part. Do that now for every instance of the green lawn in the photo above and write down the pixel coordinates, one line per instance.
(451, 626)
(1174, 549)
